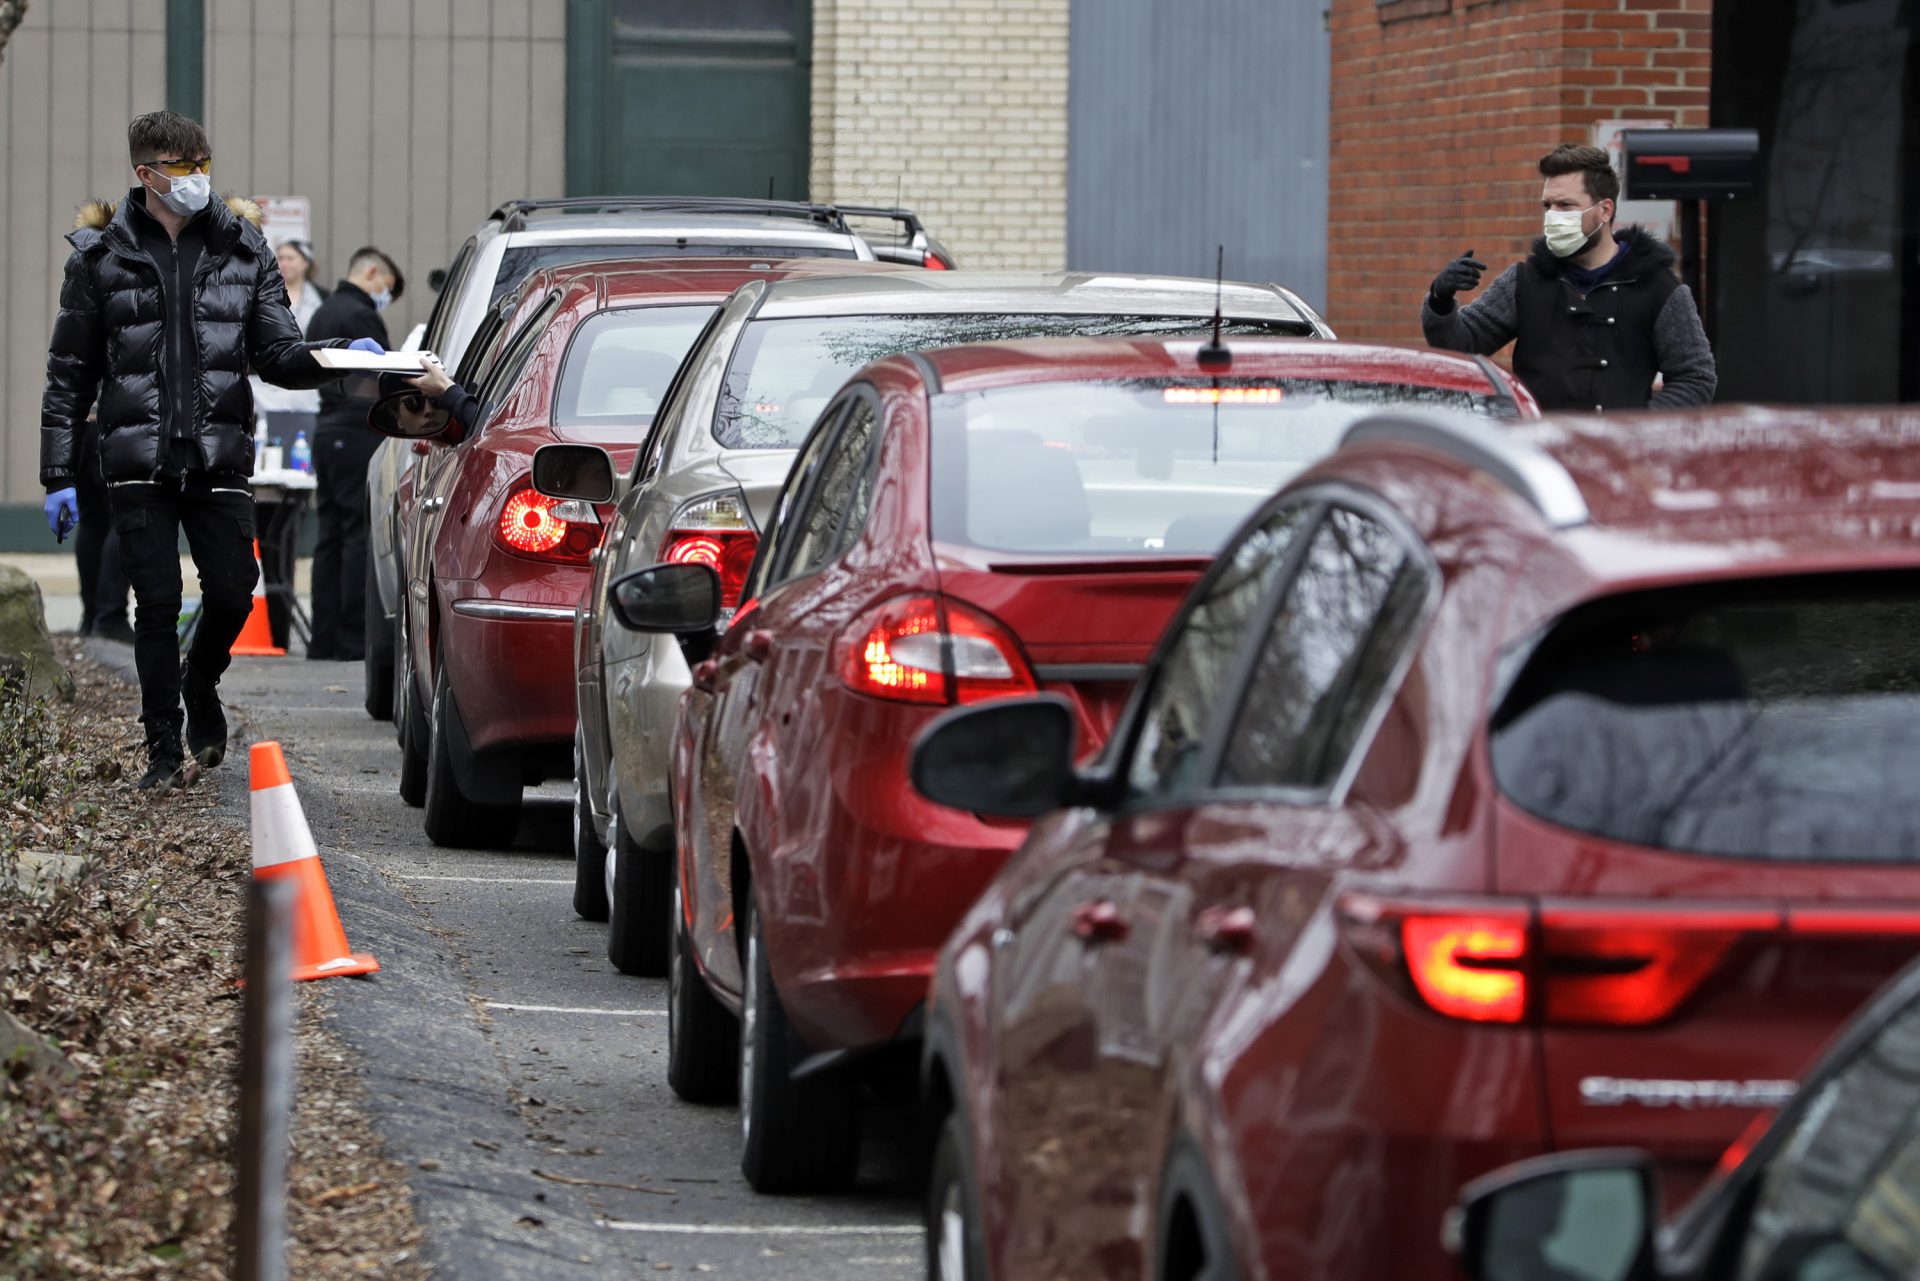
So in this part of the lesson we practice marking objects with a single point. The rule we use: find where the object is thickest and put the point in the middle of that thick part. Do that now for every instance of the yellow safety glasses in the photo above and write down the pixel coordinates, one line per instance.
(181, 168)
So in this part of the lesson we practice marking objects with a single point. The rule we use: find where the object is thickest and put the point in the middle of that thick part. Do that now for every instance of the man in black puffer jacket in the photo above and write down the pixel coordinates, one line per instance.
(167, 305)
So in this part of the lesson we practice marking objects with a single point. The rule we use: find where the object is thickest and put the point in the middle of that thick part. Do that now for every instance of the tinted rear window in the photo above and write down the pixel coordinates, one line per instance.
(1775, 720)
(620, 362)
(518, 263)
(1140, 467)
(785, 371)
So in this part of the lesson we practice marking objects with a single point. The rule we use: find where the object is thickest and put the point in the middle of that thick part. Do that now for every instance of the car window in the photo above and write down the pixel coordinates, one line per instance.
(830, 499)
(768, 564)
(619, 364)
(1193, 670)
(785, 370)
(514, 356)
(481, 349)
(647, 461)
(521, 261)
(1840, 1199)
(1335, 641)
(442, 314)
(1770, 719)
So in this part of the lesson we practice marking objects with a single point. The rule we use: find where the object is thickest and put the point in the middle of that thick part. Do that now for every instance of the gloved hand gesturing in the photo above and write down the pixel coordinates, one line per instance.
(63, 512)
(367, 345)
(1460, 274)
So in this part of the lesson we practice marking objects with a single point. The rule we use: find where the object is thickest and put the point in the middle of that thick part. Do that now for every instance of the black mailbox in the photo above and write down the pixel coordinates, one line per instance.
(1690, 164)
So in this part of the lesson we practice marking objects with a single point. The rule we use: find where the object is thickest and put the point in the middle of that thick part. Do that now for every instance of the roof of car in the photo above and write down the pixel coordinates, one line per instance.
(614, 282)
(982, 366)
(663, 228)
(985, 292)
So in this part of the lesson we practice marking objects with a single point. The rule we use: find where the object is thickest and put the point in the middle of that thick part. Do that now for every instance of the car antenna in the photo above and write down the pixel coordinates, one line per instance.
(1215, 354)
(769, 187)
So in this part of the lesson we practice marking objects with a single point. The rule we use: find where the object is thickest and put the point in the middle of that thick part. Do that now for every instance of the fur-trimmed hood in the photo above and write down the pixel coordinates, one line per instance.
(1644, 256)
(96, 214)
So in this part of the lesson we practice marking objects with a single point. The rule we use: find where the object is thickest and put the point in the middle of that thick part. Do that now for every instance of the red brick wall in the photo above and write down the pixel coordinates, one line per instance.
(1442, 108)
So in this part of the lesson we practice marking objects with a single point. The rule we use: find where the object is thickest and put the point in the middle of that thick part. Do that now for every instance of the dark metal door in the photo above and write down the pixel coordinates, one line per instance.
(671, 98)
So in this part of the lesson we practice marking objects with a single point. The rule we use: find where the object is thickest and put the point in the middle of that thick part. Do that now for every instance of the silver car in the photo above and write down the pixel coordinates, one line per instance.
(520, 238)
(704, 481)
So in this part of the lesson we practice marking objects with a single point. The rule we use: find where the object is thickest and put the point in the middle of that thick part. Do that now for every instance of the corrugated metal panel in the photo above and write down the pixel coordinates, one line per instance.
(1193, 123)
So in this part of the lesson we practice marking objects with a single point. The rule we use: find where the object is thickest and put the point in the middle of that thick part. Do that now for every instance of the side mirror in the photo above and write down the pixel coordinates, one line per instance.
(1575, 1216)
(409, 415)
(678, 599)
(1012, 758)
(580, 472)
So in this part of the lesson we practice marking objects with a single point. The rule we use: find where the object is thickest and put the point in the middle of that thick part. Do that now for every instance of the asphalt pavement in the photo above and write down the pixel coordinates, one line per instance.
(519, 1076)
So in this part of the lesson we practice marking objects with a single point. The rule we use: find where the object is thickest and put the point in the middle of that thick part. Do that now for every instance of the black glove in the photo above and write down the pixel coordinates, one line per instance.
(1462, 273)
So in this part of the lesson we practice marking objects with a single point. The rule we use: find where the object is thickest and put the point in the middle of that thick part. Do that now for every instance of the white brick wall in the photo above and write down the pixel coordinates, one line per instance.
(957, 106)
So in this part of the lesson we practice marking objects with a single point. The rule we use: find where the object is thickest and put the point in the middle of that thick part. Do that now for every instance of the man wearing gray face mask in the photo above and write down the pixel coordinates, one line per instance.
(170, 299)
(1595, 313)
(343, 448)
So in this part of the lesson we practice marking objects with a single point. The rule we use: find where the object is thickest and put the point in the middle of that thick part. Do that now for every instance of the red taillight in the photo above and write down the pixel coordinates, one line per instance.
(714, 531)
(1505, 962)
(533, 524)
(933, 262)
(1469, 967)
(923, 649)
(729, 553)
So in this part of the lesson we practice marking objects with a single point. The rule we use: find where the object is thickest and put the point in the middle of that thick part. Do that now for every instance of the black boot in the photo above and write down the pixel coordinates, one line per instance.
(167, 767)
(206, 723)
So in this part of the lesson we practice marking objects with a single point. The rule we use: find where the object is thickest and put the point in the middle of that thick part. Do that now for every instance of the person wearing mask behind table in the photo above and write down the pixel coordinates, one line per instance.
(287, 413)
(342, 450)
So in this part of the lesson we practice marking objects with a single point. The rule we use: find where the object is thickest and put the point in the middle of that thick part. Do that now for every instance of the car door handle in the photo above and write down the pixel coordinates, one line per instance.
(703, 674)
(435, 504)
(759, 645)
(1100, 922)
(1227, 929)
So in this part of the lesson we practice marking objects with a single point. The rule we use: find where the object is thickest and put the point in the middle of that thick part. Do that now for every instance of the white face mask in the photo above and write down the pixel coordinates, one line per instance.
(1565, 231)
(381, 299)
(189, 195)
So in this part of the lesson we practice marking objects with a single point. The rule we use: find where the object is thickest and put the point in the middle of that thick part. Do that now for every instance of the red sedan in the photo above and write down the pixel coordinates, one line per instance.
(962, 525)
(493, 567)
(1502, 790)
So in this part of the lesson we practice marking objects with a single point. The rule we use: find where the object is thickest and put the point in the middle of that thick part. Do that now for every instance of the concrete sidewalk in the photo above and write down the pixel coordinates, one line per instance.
(59, 581)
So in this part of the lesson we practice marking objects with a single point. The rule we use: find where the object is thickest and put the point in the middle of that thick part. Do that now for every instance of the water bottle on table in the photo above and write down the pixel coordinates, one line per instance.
(302, 459)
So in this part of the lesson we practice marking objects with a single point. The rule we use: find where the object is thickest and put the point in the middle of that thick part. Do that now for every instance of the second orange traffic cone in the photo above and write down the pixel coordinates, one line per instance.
(283, 849)
(256, 638)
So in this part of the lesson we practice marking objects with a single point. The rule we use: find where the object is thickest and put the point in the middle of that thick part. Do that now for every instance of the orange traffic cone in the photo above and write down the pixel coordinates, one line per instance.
(283, 850)
(256, 638)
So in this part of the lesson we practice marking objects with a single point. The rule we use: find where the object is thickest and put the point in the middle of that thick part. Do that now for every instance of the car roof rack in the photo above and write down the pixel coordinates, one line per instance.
(912, 230)
(513, 214)
(1533, 474)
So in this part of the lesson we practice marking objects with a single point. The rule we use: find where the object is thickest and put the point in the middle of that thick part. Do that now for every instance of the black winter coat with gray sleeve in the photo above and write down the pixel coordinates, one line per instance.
(166, 368)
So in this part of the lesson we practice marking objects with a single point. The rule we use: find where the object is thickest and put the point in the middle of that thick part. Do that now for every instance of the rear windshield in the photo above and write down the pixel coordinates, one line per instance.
(1775, 720)
(518, 263)
(619, 364)
(784, 371)
(1140, 467)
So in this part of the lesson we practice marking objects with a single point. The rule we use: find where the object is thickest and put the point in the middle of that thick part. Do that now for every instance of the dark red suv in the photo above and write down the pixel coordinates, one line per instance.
(964, 524)
(1502, 789)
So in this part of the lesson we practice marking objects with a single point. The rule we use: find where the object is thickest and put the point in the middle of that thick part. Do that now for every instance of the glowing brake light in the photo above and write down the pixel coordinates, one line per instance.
(714, 532)
(1469, 967)
(926, 649)
(533, 524)
(1222, 395)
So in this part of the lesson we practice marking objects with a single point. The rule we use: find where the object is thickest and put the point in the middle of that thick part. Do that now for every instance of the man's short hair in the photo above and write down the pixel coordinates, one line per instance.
(1590, 163)
(369, 254)
(165, 135)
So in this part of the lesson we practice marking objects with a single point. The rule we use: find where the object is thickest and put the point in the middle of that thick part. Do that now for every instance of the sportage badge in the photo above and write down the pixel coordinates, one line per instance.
(1613, 1092)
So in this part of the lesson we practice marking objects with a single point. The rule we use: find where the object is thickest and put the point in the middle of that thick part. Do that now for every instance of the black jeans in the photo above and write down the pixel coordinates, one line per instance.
(340, 461)
(96, 554)
(216, 514)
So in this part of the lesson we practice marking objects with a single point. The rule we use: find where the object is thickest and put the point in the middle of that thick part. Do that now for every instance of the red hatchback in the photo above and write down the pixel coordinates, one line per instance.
(493, 568)
(1501, 790)
(964, 524)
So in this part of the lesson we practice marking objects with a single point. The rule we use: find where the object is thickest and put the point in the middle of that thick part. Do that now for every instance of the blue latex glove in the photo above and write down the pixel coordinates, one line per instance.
(367, 344)
(63, 512)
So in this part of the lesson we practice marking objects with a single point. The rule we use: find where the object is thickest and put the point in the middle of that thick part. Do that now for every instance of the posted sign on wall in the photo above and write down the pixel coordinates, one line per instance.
(1655, 215)
(285, 218)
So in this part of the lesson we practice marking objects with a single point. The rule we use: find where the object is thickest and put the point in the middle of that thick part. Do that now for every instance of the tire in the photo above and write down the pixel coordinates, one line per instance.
(377, 664)
(452, 818)
(410, 727)
(589, 855)
(955, 1250)
(796, 1136)
(703, 1037)
(1191, 1241)
(639, 892)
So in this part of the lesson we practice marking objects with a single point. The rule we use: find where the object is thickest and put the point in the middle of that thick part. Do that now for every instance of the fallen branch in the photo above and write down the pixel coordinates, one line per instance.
(597, 1183)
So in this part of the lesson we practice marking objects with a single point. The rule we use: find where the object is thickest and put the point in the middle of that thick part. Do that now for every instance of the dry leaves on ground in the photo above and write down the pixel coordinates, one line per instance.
(121, 1165)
